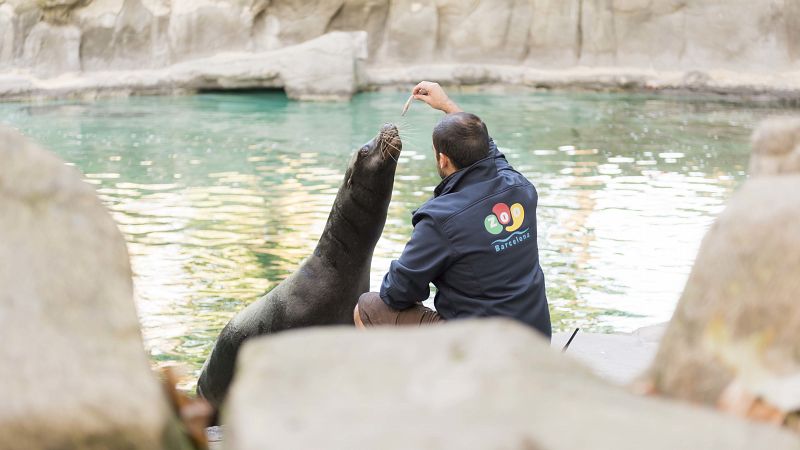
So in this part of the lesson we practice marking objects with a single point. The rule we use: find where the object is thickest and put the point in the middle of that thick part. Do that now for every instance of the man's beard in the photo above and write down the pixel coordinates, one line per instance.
(438, 167)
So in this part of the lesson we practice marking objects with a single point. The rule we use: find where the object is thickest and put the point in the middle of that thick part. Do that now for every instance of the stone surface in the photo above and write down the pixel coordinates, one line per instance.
(214, 435)
(53, 49)
(7, 35)
(470, 385)
(738, 318)
(75, 374)
(617, 358)
(124, 34)
(58, 11)
(776, 147)
(324, 68)
(780, 87)
(205, 27)
(259, 70)
(754, 39)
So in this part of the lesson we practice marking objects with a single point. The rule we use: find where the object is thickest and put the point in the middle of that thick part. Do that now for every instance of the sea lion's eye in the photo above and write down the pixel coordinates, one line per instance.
(364, 150)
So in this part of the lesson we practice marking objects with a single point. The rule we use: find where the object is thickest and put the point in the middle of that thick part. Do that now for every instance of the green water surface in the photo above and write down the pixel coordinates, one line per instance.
(220, 196)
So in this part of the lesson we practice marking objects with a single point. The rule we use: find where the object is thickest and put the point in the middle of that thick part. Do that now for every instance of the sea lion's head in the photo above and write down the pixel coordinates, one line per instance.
(364, 197)
(372, 166)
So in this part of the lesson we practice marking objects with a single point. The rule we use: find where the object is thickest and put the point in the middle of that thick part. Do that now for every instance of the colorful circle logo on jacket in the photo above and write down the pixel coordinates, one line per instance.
(503, 217)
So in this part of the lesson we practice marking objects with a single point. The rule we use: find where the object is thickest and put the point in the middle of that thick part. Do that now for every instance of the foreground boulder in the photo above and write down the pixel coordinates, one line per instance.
(738, 320)
(776, 148)
(73, 370)
(489, 384)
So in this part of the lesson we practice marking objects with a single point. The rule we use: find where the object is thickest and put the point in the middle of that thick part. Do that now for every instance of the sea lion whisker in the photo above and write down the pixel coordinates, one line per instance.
(406, 127)
(385, 150)
(391, 156)
(409, 136)
(389, 144)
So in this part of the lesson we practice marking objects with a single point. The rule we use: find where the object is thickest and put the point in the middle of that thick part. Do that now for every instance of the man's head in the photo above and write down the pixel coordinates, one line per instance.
(459, 140)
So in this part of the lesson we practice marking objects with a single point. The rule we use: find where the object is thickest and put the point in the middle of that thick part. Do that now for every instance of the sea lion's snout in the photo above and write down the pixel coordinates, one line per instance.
(388, 129)
(390, 141)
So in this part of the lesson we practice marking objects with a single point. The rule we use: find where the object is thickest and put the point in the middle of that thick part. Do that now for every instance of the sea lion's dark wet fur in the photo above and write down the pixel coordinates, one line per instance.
(325, 288)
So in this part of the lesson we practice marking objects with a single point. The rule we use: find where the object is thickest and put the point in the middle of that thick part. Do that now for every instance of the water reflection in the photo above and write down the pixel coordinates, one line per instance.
(221, 196)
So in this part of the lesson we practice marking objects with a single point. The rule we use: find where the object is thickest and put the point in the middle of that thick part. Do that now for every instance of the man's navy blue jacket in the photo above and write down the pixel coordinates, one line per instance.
(476, 241)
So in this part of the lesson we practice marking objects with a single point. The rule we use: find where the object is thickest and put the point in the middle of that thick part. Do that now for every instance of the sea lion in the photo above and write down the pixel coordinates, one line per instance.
(325, 288)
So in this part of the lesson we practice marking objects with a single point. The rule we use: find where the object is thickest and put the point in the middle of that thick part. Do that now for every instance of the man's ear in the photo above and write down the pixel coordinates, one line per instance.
(443, 161)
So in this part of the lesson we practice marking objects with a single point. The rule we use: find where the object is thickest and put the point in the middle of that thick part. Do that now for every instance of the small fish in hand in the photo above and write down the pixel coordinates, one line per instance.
(411, 99)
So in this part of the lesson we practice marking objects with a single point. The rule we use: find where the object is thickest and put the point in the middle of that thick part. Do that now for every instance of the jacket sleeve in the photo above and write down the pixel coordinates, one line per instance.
(425, 257)
(499, 158)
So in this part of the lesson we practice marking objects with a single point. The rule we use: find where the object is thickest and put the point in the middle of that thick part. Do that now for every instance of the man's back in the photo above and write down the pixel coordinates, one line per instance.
(475, 239)
(480, 230)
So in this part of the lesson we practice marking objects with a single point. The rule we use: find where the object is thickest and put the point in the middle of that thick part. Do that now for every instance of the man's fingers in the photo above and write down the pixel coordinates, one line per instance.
(423, 87)
(425, 98)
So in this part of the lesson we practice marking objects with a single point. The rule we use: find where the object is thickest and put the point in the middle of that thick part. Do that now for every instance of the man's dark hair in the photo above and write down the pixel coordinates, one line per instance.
(463, 137)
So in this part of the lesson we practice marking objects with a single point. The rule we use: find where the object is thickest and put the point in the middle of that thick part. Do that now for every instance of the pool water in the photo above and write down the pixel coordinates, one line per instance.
(220, 196)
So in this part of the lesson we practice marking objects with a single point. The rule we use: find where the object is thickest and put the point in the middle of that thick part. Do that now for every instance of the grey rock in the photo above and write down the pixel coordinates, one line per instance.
(776, 147)
(75, 374)
(410, 31)
(367, 15)
(686, 35)
(214, 435)
(323, 68)
(618, 358)
(7, 35)
(696, 79)
(126, 35)
(781, 87)
(326, 68)
(53, 49)
(738, 317)
(199, 28)
(58, 11)
(296, 21)
(467, 385)
(555, 35)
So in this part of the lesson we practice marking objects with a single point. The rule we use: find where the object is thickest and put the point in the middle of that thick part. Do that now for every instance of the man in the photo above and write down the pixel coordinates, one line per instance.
(475, 239)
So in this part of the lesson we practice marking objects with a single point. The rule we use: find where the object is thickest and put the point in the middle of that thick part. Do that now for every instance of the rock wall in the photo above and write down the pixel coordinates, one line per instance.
(56, 36)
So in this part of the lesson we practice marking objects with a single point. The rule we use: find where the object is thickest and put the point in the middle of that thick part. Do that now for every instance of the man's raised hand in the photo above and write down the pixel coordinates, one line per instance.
(433, 94)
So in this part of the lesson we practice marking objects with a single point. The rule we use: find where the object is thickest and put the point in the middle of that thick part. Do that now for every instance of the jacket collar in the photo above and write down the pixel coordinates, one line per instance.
(480, 170)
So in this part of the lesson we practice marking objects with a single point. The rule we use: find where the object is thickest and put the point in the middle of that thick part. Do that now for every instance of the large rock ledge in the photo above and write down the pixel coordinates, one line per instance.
(333, 67)
(323, 68)
(783, 87)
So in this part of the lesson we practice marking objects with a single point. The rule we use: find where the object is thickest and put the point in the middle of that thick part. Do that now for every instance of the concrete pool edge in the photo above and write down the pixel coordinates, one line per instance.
(618, 358)
(783, 87)
(232, 72)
